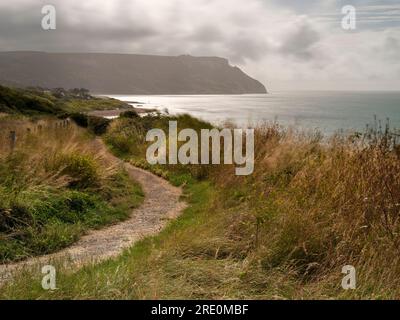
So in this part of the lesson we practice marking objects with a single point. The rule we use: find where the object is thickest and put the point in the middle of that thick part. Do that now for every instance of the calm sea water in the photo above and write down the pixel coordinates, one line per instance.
(326, 111)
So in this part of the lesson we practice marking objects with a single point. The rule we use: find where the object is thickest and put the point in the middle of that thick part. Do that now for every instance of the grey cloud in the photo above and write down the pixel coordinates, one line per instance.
(391, 48)
(247, 47)
(300, 6)
(300, 43)
(307, 6)
(206, 33)
(21, 29)
(266, 37)
(129, 27)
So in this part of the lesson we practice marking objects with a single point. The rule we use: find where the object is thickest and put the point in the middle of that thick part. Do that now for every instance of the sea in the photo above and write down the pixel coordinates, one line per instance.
(325, 111)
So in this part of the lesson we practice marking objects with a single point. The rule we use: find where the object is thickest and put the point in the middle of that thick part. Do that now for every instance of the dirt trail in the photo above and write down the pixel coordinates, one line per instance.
(160, 205)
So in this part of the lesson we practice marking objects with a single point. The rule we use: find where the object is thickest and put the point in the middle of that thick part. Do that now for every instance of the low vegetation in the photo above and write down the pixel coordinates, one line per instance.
(55, 185)
(312, 206)
(28, 102)
(40, 101)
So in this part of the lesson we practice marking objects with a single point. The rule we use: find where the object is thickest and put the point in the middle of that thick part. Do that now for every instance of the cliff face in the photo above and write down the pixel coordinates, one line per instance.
(126, 73)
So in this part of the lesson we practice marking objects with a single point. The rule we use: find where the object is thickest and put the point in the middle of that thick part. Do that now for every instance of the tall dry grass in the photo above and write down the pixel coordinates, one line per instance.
(43, 148)
(313, 206)
(55, 183)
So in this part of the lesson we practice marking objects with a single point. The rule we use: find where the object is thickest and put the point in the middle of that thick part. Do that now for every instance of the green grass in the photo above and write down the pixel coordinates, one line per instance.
(80, 105)
(47, 219)
(126, 276)
(55, 186)
(190, 259)
(36, 102)
(26, 102)
(284, 232)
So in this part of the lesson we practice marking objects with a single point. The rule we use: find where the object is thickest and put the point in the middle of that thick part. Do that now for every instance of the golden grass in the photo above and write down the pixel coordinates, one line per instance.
(284, 232)
(314, 206)
(57, 182)
(43, 143)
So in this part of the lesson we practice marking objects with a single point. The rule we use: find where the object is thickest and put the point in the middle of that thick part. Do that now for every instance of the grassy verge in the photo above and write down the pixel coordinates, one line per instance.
(311, 207)
(54, 186)
(126, 276)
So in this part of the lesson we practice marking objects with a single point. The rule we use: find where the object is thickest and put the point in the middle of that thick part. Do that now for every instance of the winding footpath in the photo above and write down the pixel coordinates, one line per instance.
(160, 205)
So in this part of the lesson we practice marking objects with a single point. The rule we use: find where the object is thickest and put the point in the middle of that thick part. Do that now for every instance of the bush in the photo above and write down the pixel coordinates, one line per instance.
(98, 125)
(126, 136)
(80, 119)
(131, 114)
(83, 169)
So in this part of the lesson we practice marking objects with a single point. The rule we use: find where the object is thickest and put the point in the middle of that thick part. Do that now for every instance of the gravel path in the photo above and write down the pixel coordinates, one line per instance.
(161, 204)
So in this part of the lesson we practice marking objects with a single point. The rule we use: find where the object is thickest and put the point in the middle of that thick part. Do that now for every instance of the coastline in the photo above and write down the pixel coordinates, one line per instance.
(116, 112)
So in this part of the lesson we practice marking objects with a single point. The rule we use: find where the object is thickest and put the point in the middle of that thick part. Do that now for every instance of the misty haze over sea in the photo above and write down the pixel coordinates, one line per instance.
(327, 111)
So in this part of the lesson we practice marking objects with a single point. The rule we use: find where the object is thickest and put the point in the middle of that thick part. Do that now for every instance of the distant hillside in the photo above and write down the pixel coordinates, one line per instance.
(26, 102)
(35, 101)
(126, 73)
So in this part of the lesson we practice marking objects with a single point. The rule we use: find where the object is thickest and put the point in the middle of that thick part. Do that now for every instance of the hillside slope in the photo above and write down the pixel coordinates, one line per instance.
(34, 101)
(126, 73)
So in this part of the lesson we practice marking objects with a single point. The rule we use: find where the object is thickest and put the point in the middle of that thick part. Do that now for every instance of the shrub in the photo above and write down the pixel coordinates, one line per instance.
(80, 119)
(83, 170)
(126, 136)
(98, 125)
(131, 114)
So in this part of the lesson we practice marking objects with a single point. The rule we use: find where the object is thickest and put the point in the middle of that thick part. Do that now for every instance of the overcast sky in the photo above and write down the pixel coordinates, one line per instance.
(286, 44)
